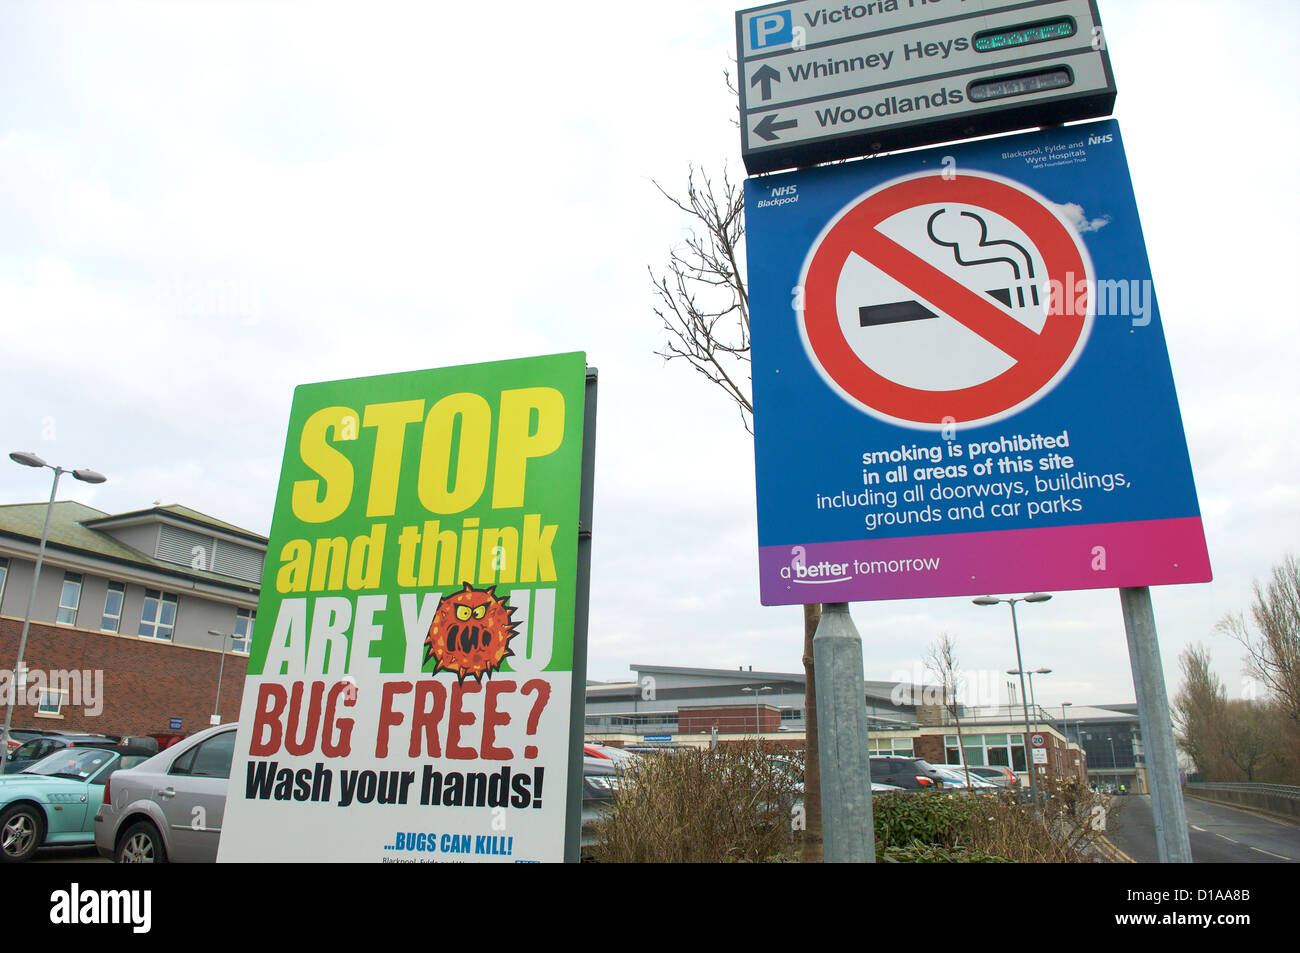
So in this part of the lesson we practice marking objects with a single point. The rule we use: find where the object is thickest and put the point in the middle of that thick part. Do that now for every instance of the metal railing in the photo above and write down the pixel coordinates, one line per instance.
(1283, 790)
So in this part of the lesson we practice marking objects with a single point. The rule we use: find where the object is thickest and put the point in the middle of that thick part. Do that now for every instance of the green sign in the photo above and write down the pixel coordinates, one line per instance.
(412, 659)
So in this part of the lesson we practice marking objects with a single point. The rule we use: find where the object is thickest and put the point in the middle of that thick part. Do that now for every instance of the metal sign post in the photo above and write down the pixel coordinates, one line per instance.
(848, 832)
(1173, 845)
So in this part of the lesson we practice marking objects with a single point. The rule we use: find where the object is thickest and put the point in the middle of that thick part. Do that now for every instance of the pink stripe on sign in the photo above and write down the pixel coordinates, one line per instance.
(1098, 556)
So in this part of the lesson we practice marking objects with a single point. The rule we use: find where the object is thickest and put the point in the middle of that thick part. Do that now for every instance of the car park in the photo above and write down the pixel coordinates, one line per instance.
(1000, 775)
(620, 758)
(910, 774)
(53, 802)
(38, 748)
(954, 776)
(600, 781)
(170, 806)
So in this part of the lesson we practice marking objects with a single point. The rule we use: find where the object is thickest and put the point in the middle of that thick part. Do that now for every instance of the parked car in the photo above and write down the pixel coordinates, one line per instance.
(53, 801)
(954, 776)
(600, 779)
(621, 758)
(38, 748)
(1000, 775)
(910, 774)
(170, 806)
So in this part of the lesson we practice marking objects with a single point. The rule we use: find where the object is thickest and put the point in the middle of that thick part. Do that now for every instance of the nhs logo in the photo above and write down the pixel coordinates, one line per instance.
(771, 29)
(1100, 140)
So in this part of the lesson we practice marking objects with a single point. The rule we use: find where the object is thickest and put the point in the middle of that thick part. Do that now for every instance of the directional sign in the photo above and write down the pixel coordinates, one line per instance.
(820, 83)
(960, 378)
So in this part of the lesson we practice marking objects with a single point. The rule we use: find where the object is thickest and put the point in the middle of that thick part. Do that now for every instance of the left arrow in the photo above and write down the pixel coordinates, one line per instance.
(768, 127)
(767, 76)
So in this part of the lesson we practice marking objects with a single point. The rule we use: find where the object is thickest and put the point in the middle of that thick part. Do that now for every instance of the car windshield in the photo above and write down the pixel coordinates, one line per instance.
(79, 764)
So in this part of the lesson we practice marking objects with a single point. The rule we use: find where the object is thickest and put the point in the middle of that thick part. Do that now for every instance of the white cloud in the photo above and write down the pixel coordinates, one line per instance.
(1073, 213)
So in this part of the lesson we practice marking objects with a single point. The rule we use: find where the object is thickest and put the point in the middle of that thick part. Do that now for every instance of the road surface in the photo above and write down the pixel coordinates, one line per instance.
(1219, 834)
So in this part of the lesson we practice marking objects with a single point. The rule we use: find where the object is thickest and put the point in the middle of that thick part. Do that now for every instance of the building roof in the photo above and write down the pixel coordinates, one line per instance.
(75, 528)
(182, 513)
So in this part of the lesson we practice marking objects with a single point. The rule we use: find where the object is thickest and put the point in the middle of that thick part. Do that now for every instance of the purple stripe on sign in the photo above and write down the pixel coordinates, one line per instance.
(1098, 556)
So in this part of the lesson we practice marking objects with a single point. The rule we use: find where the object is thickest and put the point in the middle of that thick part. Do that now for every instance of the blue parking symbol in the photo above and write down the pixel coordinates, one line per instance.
(771, 29)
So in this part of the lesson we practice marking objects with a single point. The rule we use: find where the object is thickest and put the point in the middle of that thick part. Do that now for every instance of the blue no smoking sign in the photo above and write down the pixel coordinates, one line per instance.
(961, 384)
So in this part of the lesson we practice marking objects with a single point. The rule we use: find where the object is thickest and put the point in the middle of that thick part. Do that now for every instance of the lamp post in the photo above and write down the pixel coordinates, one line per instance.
(758, 729)
(1065, 730)
(216, 706)
(29, 459)
(1024, 700)
(1033, 702)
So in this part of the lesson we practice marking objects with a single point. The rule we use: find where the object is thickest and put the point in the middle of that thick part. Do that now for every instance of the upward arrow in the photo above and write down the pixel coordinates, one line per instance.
(767, 76)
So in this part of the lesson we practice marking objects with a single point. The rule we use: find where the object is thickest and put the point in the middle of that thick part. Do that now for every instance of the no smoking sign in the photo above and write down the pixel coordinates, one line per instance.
(929, 300)
(960, 377)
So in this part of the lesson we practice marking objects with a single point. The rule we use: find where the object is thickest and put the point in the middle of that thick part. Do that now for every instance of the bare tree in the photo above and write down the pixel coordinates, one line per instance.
(1199, 712)
(1250, 740)
(941, 661)
(1274, 657)
(703, 303)
(704, 307)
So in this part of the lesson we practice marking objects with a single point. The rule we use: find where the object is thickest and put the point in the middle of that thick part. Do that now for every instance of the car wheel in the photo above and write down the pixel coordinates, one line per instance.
(141, 844)
(22, 829)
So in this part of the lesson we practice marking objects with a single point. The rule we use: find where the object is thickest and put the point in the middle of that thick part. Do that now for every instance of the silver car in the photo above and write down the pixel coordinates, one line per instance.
(170, 807)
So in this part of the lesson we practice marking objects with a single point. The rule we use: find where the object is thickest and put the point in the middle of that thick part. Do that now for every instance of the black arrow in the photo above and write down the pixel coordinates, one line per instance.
(767, 76)
(768, 127)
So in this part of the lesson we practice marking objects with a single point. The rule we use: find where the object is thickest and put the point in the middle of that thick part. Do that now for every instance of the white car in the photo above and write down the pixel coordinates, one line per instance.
(954, 776)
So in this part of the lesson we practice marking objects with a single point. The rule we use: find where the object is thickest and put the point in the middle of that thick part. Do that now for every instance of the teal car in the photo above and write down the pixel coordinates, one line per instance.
(53, 802)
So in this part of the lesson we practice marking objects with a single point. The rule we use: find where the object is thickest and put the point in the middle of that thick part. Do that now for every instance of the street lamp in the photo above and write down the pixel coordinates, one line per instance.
(758, 729)
(1033, 702)
(1024, 700)
(216, 706)
(29, 459)
(1065, 730)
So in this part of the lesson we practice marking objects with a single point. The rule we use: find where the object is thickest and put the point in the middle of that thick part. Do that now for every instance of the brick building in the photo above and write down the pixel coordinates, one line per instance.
(119, 640)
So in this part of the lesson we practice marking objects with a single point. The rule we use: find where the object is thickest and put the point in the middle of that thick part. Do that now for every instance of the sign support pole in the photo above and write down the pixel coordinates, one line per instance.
(581, 605)
(1173, 845)
(848, 833)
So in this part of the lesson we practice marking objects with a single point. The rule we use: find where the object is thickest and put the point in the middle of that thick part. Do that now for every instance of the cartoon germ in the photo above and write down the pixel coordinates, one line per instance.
(471, 633)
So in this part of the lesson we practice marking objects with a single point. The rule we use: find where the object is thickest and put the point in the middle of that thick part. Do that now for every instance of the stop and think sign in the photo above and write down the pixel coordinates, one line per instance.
(936, 299)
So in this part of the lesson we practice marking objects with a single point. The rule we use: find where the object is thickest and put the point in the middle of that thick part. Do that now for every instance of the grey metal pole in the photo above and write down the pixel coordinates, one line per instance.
(221, 672)
(581, 605)
(1024, 703)
(27, 619)
(848, 834)
(1173, 844)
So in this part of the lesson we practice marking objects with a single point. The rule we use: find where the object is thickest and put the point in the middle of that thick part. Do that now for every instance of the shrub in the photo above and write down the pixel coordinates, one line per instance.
(730, 804)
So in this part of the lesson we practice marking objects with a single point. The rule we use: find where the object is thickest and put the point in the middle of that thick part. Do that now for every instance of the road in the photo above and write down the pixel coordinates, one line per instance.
(1218, 834)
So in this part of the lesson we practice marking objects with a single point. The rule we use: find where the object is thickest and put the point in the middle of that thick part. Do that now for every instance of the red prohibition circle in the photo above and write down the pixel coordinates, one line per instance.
(1038, 356)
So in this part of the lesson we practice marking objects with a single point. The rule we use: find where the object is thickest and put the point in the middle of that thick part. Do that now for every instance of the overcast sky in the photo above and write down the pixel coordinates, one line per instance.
(388, 187)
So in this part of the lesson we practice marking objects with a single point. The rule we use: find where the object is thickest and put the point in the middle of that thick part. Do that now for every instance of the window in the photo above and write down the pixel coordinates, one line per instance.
(243, 637)
(112, 618)
(211, 759)
(69, 599)
(987, 750)
(899, 747)
(51, 703)
(158, 619)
